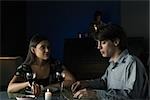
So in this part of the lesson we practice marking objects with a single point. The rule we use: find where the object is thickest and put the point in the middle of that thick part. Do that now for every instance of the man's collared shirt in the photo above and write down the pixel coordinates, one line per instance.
(125, 77)
(126, 74)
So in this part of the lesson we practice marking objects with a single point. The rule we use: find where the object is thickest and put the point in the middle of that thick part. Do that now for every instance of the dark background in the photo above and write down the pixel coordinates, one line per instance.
(57, 20)
(61, 21)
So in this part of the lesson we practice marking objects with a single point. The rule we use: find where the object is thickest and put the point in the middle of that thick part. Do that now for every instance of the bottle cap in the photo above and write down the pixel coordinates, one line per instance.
(47, 90)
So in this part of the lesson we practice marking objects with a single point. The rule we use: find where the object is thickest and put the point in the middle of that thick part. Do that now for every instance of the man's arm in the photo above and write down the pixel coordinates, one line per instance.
(97, 84)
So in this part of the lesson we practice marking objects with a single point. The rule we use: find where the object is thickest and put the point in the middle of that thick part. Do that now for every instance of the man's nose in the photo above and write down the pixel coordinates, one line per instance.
(99, 45)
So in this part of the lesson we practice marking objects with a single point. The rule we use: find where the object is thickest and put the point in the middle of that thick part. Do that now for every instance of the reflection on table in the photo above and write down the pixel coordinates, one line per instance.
(64, 95)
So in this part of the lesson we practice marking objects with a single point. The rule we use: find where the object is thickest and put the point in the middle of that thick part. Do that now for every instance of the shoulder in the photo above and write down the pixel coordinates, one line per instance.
(22, 69)
(134, 61)
(132, 58)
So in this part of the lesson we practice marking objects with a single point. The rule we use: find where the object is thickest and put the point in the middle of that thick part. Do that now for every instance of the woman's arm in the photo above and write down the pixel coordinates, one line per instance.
(16, 84)
(69, 78)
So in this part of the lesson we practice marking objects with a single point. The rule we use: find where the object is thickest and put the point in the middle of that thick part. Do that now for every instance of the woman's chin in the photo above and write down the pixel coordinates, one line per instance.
(104, 55)
(46, 58)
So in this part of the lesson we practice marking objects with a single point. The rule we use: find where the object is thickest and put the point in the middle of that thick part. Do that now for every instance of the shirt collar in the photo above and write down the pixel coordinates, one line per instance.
(120, 59)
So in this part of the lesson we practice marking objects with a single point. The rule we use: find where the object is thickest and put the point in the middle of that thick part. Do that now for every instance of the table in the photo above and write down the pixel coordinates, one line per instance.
(65, 95)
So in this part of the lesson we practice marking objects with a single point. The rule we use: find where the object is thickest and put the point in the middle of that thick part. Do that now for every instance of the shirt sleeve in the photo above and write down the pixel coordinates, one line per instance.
(110, 95)
(104, 77)
(130, 76)
(136, 79)
(134, 82)
(22, 70)
(97, 84)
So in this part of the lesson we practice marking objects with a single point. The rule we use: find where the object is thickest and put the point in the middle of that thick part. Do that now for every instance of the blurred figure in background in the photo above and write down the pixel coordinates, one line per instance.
(125, 78)
(96, 24)
(39, 69)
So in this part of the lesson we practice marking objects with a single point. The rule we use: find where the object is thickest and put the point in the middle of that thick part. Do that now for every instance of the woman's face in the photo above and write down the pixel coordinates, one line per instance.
(42, 50)
(106, 48)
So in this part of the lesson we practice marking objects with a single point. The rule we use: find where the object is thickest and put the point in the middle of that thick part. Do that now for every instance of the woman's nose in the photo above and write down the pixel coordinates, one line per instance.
(98, 47)
(46, 49)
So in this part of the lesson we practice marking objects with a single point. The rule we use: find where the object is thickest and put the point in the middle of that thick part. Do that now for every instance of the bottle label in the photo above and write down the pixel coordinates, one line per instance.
(48, 95)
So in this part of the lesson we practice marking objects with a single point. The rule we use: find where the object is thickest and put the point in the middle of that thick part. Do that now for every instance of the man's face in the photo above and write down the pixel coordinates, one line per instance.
(106, 48)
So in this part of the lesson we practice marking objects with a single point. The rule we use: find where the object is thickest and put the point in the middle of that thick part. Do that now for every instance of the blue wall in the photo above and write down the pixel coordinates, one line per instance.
(60, 20)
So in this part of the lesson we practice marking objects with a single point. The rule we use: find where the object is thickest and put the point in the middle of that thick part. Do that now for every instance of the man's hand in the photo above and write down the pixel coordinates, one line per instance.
(85, 94)
(79, 85)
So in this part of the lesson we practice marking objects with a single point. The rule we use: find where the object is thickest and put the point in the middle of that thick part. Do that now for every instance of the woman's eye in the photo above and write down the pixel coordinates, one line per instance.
(42, 47)
(45, 47)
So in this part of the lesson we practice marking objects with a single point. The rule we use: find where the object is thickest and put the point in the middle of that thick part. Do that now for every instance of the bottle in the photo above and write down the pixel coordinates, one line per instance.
(48, 95)
(80, 36)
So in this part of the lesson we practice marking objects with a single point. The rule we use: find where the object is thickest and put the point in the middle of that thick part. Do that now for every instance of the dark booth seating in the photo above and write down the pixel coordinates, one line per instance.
(8, 67)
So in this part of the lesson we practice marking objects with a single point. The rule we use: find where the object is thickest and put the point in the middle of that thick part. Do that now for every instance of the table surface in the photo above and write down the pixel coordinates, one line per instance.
(12, 96)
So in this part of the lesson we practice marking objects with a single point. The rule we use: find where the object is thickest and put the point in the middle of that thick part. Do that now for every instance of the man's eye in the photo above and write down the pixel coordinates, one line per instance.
(103, 42)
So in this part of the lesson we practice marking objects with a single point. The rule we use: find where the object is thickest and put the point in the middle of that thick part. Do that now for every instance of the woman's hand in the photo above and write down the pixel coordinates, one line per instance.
(85, 94)
(36, 89)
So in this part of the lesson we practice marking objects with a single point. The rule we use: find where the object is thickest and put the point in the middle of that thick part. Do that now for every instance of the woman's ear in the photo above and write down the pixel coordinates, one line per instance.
(116, 42)
(32, 50)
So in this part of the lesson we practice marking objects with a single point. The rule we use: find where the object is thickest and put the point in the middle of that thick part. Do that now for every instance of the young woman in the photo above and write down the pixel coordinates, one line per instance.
(39, 69)
(125, 77)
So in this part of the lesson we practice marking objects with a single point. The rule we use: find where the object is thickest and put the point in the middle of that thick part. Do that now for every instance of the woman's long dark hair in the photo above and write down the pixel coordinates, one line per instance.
(36, 39)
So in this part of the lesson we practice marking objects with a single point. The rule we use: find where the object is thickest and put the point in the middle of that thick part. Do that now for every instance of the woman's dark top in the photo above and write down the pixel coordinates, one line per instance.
(55, 66)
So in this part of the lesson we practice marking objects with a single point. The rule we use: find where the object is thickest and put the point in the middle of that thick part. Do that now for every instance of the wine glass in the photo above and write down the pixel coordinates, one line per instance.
(31, 78)
(60, 77)
(62, 82)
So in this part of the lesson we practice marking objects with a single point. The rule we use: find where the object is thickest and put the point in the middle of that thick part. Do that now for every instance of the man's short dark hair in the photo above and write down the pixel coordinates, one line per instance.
(112, 32)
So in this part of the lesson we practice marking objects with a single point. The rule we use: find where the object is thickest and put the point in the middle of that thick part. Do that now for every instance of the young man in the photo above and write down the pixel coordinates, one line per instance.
(125, 77)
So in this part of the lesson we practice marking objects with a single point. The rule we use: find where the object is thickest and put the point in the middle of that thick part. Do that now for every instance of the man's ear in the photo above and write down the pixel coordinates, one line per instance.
(116, 42)
(32, 50)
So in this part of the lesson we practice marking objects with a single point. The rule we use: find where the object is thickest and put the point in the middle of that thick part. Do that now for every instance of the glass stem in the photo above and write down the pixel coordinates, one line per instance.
(61, 86)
